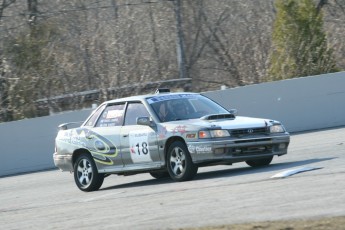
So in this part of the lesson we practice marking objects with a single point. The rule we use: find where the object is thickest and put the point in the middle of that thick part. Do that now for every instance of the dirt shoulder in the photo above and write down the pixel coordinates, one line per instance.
(328, 223)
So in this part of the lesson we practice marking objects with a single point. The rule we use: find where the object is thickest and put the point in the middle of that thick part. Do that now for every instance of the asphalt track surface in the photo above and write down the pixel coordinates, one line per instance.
(219, 195)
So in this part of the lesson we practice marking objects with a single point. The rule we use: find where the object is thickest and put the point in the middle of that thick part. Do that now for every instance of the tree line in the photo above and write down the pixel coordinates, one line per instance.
(53, 48)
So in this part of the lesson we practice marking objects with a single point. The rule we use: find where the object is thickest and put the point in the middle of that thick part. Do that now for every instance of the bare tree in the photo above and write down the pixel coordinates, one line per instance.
(33, 11)
(3, 5)
(108, 46)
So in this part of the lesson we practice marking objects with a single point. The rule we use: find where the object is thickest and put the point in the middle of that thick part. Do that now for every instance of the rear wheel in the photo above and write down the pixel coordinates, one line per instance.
(179, 162)
(260, 162)
(86, 175)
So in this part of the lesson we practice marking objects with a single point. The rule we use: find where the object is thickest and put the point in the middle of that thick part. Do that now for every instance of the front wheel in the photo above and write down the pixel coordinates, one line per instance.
(86, 175)
(179, 162)
(159, 175)
(260, 162)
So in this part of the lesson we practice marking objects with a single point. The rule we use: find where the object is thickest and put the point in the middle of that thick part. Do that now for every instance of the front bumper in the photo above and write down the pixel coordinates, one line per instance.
(236, 150)
(63, 162)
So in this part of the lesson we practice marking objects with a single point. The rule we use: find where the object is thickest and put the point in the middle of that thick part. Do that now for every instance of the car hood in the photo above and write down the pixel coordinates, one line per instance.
(238, 122)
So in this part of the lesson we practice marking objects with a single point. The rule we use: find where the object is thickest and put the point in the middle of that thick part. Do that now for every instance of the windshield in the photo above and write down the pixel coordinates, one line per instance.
(183, 106)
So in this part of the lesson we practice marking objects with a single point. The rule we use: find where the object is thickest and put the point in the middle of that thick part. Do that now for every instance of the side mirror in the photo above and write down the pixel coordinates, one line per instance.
(144, 121)
(233, 111)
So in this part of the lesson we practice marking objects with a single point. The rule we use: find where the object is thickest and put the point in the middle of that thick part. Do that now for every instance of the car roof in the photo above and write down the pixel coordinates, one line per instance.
(141, 97)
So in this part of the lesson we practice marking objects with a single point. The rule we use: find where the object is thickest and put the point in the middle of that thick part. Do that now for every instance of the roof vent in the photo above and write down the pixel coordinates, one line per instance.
(162, 90)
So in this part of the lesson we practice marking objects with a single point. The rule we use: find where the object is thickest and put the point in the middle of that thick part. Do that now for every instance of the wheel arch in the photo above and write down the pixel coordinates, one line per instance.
(170, 141)
(78, 152)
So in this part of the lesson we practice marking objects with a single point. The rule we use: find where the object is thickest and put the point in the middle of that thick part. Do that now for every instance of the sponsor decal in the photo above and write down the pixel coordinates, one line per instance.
(179, 129)
(132, 150)
(191, 135)
(170, 97)
(203, 149)
(162, 132)
(191, 148)
(114, 114)
(199, 149)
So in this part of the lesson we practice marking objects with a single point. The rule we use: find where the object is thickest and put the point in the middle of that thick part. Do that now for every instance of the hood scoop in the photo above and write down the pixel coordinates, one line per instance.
(218, 116)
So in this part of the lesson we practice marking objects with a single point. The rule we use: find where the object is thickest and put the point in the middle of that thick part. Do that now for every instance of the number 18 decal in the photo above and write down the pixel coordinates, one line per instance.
(142, 148)
(139, 146)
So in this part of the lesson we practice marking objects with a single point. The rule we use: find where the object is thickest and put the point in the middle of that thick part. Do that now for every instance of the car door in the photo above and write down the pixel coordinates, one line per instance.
(138, 142)
(106, 135)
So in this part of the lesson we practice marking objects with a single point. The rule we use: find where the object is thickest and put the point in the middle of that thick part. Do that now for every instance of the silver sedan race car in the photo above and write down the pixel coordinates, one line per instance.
(164, 134)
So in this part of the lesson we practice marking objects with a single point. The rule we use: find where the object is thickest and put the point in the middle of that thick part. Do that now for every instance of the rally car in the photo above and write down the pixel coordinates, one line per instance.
(164, 134)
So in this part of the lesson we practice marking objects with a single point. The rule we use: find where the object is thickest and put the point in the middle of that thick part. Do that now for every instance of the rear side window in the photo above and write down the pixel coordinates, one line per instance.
(111, 116)
(92, 120)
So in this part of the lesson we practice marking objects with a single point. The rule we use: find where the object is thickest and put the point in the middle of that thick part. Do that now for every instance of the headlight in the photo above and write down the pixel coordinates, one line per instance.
(213, 133)
(277, 129)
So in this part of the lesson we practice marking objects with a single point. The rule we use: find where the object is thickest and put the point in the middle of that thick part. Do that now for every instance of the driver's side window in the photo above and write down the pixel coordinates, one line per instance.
(135, 110)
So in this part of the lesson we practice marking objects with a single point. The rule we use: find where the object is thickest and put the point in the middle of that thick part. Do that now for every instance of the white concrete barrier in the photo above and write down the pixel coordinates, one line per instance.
(301, 104)
(28, 145)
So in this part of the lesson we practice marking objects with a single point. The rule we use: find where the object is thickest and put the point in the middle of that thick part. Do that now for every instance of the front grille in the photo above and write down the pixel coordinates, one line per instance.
(252, 140)
(248, 132)
(252, 150)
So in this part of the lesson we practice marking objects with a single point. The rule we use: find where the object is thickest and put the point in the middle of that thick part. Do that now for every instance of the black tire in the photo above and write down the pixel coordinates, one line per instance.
(260, 162)
(179, 162)
(160, 175)
(86, 175)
